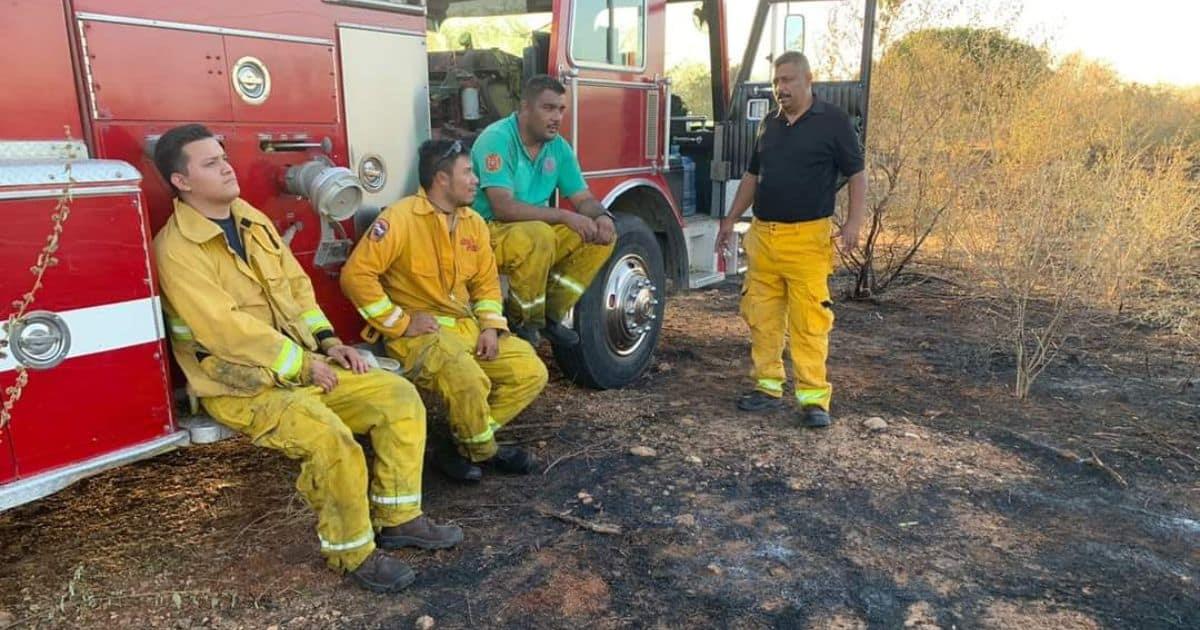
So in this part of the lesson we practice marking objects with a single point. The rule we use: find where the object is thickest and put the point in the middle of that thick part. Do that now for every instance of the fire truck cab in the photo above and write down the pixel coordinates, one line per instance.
(321, 105)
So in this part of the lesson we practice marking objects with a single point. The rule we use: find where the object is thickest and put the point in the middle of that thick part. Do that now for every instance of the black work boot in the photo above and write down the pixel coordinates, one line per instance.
(452, 464)
(815, 417)
(560, 335)
(420, 532)
(382, 573)
(758, 401)
(513, 460)
(528, 333)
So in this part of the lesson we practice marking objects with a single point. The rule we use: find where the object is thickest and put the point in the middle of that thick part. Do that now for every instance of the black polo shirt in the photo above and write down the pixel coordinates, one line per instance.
(798, 164)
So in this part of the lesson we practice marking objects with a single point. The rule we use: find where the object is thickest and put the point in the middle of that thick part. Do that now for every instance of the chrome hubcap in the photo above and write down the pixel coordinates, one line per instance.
(630, 301)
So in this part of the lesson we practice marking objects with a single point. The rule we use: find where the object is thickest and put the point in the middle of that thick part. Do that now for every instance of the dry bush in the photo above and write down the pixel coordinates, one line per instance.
(1076, 207)
(1060, 191)
(928, 90)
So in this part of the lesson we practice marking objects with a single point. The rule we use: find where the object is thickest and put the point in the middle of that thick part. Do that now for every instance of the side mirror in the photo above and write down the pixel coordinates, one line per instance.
(793, 33)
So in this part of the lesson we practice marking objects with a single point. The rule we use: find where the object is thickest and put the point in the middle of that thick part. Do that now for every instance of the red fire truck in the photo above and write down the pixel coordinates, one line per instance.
(321, 105)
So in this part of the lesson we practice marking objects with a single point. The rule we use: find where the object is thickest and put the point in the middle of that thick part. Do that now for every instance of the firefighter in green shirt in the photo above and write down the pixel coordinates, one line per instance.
(549, 254)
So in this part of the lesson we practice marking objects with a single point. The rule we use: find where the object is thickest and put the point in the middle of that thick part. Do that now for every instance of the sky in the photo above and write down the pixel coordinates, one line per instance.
(1147, 41)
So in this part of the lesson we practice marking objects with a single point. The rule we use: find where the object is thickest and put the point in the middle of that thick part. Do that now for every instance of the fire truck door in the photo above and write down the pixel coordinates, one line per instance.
(385, 79)
(92, 338)
(611, 82)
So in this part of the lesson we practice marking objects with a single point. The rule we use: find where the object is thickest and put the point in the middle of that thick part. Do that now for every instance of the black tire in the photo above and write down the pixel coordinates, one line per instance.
(609, 355)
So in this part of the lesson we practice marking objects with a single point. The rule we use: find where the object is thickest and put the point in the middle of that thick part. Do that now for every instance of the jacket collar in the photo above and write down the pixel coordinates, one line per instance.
(200, 229)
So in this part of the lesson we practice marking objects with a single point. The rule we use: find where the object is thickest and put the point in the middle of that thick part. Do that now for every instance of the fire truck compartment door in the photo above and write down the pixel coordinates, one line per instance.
(385, 80)
(148, 73)
(93, 335)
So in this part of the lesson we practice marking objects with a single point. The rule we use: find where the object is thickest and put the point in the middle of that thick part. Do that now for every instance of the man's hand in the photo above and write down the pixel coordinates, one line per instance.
(349, 358)
(585, 227)
(723, 234)
(606, 230)
(488, 346)
(847, 237)
(420, 324)
(323, 376)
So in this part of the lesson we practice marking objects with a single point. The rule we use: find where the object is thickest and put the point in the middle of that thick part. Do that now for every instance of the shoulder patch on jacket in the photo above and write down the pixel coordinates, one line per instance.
(493, 162)
(378, 229)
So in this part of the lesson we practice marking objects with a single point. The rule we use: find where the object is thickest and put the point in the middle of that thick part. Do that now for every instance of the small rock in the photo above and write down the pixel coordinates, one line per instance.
(541, 444)
(875, 423)
(685, 520)
(778, 572)
(797, 484)
(643, 451)
(687, 421)
(273, 627)
(7, 619)
(663, 366)
(714, 569)
(424, 622)
(692, 459)
(912, 436)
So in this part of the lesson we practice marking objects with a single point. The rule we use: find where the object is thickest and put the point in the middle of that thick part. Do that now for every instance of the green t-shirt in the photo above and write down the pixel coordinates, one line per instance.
(501, 161)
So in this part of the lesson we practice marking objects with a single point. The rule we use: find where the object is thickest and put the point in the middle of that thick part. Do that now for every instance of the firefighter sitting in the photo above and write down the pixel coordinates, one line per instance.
(425, 278)
(264, 361)
(550, 255)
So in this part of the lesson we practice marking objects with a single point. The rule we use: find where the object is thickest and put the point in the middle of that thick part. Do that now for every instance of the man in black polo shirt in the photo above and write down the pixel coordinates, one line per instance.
(792, 180)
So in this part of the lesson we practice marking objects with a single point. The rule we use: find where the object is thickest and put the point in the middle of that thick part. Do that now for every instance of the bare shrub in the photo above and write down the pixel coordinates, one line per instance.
(1075, 208)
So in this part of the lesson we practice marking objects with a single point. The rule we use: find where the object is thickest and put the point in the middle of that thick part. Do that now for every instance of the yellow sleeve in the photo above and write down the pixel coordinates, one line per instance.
(484, 286)
(189, 283)
(360, 279)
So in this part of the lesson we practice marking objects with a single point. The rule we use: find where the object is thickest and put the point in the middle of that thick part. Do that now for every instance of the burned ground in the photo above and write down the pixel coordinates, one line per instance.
(1079, 508)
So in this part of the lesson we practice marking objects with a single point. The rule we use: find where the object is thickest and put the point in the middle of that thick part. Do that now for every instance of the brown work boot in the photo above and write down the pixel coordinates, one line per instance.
(382, 573)
(420, 532)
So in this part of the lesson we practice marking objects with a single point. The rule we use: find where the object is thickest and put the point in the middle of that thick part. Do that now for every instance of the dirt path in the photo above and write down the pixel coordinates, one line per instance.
(968, 510)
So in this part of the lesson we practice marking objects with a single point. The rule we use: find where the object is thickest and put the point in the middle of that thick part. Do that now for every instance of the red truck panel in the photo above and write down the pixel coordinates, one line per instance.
(111, 391)
(304, 18)
(38, 81)
(132, 78)
(303, 81)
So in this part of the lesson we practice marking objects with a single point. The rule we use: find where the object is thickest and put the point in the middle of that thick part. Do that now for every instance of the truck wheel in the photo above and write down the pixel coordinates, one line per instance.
(619, 317)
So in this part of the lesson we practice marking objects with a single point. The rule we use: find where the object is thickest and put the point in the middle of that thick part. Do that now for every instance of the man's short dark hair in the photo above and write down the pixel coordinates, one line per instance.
(796, 57)
(540, 83)
(168, 151)
(438, 156)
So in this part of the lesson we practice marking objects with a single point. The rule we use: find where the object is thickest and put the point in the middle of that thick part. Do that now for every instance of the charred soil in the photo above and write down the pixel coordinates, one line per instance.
(1078, 508)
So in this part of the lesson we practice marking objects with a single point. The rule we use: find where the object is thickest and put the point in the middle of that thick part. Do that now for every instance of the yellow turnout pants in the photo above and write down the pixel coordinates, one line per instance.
(548, 268)
(787, 289)
(317, 429)
(480, 396)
